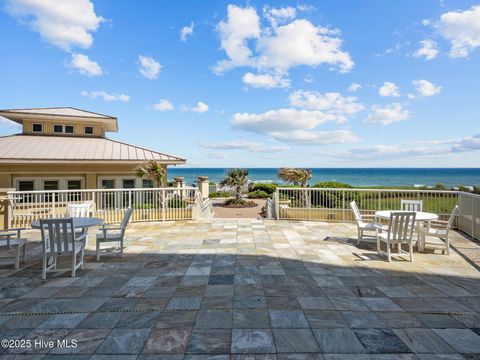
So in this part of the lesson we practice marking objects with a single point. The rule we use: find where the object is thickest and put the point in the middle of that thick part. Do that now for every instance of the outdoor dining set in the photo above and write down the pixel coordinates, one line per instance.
(66, 237)
(401, 226)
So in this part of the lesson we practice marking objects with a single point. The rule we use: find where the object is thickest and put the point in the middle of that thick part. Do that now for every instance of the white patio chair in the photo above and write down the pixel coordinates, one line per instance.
(440, 229)
(400, 231)
(80, 210)
(411, 205)
(59, 239)
(113, 233)
(12, 238)
(362, 226)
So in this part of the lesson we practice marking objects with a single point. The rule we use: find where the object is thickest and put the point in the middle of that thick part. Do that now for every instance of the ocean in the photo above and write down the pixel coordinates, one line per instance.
(354, 176)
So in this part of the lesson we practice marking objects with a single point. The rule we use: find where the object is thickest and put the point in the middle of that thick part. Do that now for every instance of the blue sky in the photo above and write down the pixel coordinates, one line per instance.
(258, 84)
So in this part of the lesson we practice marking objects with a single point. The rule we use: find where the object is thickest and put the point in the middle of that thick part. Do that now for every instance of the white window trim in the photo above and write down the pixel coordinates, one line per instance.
(118, 181)
(63, 129)
(36, 131)
(85, 130)
(38, 182)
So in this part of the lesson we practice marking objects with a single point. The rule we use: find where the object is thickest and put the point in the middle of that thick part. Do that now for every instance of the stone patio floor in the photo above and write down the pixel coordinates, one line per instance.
(245, 289)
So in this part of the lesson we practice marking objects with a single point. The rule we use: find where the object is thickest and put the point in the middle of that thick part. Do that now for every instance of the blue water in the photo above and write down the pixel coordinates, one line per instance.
(353, 176)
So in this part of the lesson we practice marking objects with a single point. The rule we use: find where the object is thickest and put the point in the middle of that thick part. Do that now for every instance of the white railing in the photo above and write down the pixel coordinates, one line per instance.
(469, 214)
(149, 204)
(203, 208)
(270, 207)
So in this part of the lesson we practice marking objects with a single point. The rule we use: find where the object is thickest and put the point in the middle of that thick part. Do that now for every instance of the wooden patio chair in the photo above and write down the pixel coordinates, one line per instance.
(400, 231)
(109, 233)
(411, 205)
(364, 226)
(440, 229)
(12, 238)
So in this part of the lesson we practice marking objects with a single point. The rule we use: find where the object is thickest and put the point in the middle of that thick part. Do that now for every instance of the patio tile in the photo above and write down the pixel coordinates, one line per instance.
(221, 280)
(249, 302)
(212, 319)
(325, 319)
(338, 341)
(219, 290)
(295, 341)
(315, 303)
(300, 356)
(381, 341)
(282, 302)
(63, 321)
(399, 320)
(87, 341)
(250, 319)
(252, 341)
(176, 319)
(347, 303)
(167, 341)
(214, 302)
(347, 357)
(381, 304)
(124, 341)
(439, 321)
(287, 319)
(363, 319)
(209, 341)
(101, 320)
(423, 341)
(464, 341)
(139, 320)
(184, 303)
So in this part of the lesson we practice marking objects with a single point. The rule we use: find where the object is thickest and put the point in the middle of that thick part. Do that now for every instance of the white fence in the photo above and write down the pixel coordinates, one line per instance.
(325, 204)
(150, 204)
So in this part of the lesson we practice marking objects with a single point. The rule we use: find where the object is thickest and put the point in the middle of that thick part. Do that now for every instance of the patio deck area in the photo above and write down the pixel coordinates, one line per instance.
(222, 289)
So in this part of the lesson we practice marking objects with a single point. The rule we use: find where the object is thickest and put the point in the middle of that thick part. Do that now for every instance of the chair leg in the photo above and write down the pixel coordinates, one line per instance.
(121, 248)
(25, 252)
(74, 265)
(81, 258)
(399, 248)
(389, 256)
(447, 246)
(378, 245)
(359, 236)
(17, 258)
(410, 250)
(98, 250)
(44, 268)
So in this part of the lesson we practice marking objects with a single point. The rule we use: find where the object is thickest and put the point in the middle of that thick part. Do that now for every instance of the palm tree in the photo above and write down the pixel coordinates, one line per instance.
(237, 178)
(151, 170)
(297, 177)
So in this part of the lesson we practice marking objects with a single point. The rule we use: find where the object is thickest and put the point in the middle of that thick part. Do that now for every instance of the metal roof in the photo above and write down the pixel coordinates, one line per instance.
(42, 148)
(59, 111)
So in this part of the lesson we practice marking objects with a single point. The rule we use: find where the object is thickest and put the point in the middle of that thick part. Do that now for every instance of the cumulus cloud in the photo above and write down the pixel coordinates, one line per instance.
(267, 81)
(64, 24)
(149, 67)
(200, 108)
(302, 137)
(462, 29)
(288, 43)
(217, 155)
(354, 87)
(84, 65)
(331, 103)
(426, 88)
(388, 114)
(244, 145)
(106, 96)
(186, 32)
(163, 105)
(389, 89)
(431, 148)
(428, 50)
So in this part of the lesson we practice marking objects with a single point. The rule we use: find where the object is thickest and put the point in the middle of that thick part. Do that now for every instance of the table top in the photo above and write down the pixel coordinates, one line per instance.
(420, 215)
(79, 222)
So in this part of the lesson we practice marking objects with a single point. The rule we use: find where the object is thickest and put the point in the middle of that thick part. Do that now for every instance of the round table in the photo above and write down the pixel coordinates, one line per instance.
(420, 218)
(78, 223)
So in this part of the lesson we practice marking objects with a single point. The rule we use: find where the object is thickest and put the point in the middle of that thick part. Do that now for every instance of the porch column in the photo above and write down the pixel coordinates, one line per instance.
(203, 186)
(179, 184)
(5, 208)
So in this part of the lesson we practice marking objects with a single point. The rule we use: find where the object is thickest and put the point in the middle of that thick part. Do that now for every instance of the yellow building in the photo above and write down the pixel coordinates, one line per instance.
(66, 149)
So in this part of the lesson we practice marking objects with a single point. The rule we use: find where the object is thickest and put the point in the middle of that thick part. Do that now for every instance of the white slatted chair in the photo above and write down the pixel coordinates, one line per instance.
(113, 233)
(440, 229)
(411, 205)
(400, 231)
(59, 239)
(12, 238)
(80, 210)
(363, 225)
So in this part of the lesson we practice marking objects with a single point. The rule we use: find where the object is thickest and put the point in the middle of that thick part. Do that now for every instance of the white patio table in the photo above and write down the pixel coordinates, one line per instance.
(420, 218)
(78, 222)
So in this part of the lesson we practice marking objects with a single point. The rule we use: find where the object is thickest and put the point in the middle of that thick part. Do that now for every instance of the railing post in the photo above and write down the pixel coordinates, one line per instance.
(277, 204)
(343, 205)
(473, 217)
(164, 208)
(309, 203)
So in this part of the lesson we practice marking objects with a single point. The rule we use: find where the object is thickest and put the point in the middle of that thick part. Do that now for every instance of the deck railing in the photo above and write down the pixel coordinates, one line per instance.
(333, 204)
(149, 204)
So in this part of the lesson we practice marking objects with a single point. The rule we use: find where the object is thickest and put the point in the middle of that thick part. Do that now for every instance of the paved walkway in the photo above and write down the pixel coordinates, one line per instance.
(226, 289)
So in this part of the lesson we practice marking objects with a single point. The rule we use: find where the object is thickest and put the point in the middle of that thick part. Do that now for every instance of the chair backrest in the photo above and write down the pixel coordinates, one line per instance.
(411, 205)
(126, 219)
(58, 236)
(356, 212)
(79, 210)
(401, 225)
(452, 217)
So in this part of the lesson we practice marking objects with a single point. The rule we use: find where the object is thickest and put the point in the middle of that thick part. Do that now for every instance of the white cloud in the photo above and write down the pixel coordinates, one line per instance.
(426, 88)
(389, 89)
(278, 48)
(200, 108)
(84, 65)
(149, 67)
(428, 50)
(385, 115)
(302, 137)
(267, 81)
(106, 96)
(354, 87)
(331, 103)
(245, 145)
(217, 155)
(279, 15)
(62, 23)
(163, 105)
(186, 32)
(462, 29)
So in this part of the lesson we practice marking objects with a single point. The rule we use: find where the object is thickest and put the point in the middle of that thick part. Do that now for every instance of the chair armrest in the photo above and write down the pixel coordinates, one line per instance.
(9, 231)
(108, 228)
(80, 237)
(370, 216)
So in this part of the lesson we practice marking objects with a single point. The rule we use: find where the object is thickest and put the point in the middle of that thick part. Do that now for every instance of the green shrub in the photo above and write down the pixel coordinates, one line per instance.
(258, 194)
(236, 202)
(332, 184)
(476, 190)
(176, 204)
(269, 188)
(334, 200)
(143, 206)
(221, 194)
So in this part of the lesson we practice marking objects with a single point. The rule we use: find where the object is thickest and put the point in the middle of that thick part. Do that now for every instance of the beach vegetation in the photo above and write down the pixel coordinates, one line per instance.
(258, 194)
(269, 188)
(221, 194)
(236, 178)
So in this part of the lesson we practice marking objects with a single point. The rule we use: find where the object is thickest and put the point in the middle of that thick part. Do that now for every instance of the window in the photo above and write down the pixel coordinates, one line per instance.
(147, 184)
(68, 129)
(108, 184)
(63, 129)
(25, 185)
(50, 185)
(57, 128)
(74, 184)
(89, 130)
(37, 127)
(128, 183)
